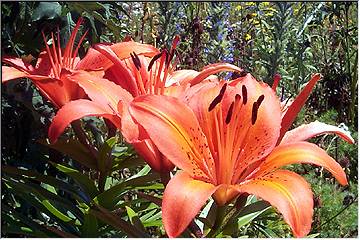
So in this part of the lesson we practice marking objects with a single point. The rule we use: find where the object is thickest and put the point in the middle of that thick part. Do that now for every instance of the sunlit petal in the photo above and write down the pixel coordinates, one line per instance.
(176, 132)
(183, 199)
(296, 105)
(289, 193)
(302, 152)
(307, 131)
(75, 110)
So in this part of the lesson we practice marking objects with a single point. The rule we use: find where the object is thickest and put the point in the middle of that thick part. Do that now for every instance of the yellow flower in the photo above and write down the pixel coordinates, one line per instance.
(270, 14)
(250, 4)
(254, 14)
(247, 37)
(238, 7)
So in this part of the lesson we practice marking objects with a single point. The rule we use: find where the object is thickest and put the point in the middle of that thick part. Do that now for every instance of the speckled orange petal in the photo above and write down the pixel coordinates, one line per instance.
(301, 152)
(174, 129)
(289, 193)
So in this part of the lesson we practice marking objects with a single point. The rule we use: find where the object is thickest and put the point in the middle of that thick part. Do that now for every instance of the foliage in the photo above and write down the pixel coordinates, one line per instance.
(63, 190)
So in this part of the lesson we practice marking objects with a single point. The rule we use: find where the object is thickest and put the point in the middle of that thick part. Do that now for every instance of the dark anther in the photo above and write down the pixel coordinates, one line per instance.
(237, 97)
(260, 99)
(136, 60)
(244, 93)
(255, 109)
(229, 113)
(218, 98)
(156, 57)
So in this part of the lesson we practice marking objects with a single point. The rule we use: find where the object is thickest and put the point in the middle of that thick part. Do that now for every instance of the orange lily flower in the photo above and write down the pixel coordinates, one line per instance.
(225, 142)
(137, 69)
(51, 69)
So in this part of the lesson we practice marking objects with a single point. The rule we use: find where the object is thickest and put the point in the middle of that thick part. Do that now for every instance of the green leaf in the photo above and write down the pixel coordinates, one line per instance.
(43, 198)
(19, 227)
(112, 196)
(54, 211)
(134, 219)
(115, 221)
(105, 157)
(90, 226)
(75, 150)
(48, 10)
(87, 184)
(29, 174)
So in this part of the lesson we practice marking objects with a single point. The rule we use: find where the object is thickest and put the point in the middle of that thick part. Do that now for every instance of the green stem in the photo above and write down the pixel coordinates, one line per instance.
(220, 214)
(79, 132)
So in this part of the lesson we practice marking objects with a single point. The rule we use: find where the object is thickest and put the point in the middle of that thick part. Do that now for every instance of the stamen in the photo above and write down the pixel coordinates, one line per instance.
(255, 109)
(260, 99)
(156, 57)
(136, 61)
(229, 113)
(237, 97)
(244, 94)
(218, 98)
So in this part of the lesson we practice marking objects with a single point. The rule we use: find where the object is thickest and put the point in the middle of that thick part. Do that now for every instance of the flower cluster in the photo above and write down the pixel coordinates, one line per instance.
(226, 137)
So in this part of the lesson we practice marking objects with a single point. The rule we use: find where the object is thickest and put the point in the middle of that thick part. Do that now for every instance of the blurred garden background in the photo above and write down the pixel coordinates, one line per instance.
(46, 190)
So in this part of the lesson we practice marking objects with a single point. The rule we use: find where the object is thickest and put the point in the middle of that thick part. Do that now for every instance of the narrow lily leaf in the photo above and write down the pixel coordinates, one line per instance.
(296, 105)
(87, 184)
(314, 129)
(105, 158)
(29, 174)
(41, 202)
(182, 201)
(112, 219)
(134, 219)
(212, 69)
(23, 226)
(112, 196)
(302, 152)
(246, 219)
(74, 149)
(90, 226)
(289, 193)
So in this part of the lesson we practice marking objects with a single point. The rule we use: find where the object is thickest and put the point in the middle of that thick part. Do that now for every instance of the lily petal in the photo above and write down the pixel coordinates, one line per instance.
(75, 110)
(153, 157)
(101, 90)
(95, 60)
(212, 69)
(174, 129)
(296, 105)
(289, 193)
(10, 73)
(183, 199)
(17, 63)
(301, 152)
(181, 77)
(314, 129)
